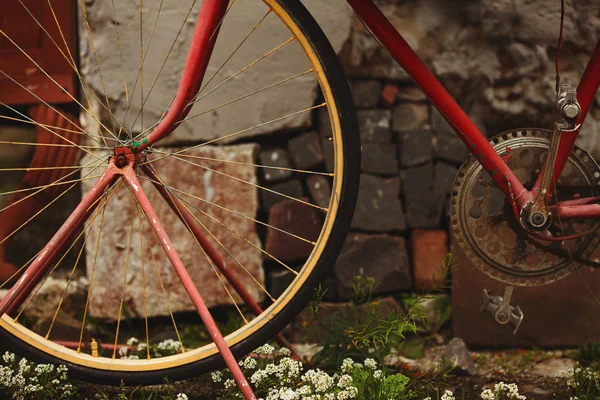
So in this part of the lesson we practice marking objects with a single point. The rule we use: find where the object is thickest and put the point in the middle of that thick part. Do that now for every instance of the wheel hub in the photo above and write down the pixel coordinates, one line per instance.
(488, 232)
(124, 156)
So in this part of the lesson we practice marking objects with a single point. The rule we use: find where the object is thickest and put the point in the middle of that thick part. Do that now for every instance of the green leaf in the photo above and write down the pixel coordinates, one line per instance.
(393, 386)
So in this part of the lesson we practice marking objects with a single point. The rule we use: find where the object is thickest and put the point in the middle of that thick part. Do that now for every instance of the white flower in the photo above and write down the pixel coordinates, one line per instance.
(377, 374)
(345, 381)
(248, 363)
(132, 341)
(141, 347)
(168, 347)
(288, 368)
(448, 395)
(258, 376)
(181, 396)
(370, 363)
(487, 394)
(216, 376)
(265, 349)
(304, 391)
(287, 394)
(284, 351)
(347, 365)
(123, 351)
(8, 357)
(229, 383)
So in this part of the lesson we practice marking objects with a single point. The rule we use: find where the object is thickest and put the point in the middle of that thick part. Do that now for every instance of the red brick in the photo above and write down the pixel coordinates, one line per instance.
(389, 93)
(428, 248)
(298, 219)
(563, 314)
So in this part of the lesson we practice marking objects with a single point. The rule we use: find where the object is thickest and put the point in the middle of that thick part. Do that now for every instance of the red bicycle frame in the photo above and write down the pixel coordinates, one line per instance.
(208, 23)
(479, 146)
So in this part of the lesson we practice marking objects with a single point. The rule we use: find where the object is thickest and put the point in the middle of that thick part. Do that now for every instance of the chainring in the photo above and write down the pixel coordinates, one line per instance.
(487, 231)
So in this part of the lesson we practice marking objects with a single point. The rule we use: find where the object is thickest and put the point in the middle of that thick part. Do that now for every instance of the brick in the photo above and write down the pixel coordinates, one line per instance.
(444, 177)
(411, 93)
(450, 148)
(439, 124)
(375, 126)
(298, 219)
(423, 209)
(415, 147)
(275, 158)
(564, 307)
(418, 179)
(379, 158)
(319, 188)
(409, 117)
(429, 247)
(365, 93)
(389, 94)
(378, 207)
(291, 188)
(305, 150)
(381, 257)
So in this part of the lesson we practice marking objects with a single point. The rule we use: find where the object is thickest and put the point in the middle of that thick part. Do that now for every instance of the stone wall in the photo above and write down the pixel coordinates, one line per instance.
(496, 57)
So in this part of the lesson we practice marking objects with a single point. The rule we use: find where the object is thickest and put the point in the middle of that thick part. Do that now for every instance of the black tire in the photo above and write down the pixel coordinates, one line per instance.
(351, 158)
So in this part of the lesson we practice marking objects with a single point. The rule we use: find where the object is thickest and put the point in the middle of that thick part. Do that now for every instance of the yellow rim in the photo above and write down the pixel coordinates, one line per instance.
(102, 363)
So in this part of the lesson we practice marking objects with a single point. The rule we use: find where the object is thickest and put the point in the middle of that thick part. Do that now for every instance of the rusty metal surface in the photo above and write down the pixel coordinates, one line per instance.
(489, 234)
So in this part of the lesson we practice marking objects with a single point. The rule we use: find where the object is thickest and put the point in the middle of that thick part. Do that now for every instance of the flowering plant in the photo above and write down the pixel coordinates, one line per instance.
(276, 376)
(24, 379)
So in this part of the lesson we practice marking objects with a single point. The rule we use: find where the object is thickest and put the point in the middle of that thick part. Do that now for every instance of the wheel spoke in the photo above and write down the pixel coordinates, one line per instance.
(139, 218)
(230, 211)
(74, 242)
(162, 286)
(172, 189)
(124, 288)
(48, 205)
(260, 285)
(189, 12)
(243, 70)
(91, 39)
(254, 28)
(252, 93)
(306, 203)
(46, 126)
(300, 171)
(235, 133)
(70, 60)
(43, 127)
(64, 90)
(205, 228)
(89, 292)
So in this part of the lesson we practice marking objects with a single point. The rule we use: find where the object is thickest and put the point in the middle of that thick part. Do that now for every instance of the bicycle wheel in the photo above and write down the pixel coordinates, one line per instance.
(215, 170)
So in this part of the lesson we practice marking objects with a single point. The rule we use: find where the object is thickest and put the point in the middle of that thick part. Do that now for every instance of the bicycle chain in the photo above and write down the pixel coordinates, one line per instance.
(491, 237)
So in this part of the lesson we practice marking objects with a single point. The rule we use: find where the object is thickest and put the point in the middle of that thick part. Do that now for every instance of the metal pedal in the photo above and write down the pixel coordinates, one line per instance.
(499, 308)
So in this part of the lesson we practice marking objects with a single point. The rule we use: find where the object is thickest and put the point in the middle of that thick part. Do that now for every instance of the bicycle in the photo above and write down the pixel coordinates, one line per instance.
(129, 144)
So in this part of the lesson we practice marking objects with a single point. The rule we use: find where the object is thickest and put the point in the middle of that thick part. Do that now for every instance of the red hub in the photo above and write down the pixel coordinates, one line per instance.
(124, 156)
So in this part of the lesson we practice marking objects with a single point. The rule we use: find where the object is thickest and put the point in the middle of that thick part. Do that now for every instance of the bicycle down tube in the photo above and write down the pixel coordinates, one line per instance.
(476, 142)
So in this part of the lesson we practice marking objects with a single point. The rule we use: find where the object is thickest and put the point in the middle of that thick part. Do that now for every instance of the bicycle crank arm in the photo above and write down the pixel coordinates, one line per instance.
(499, 308)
